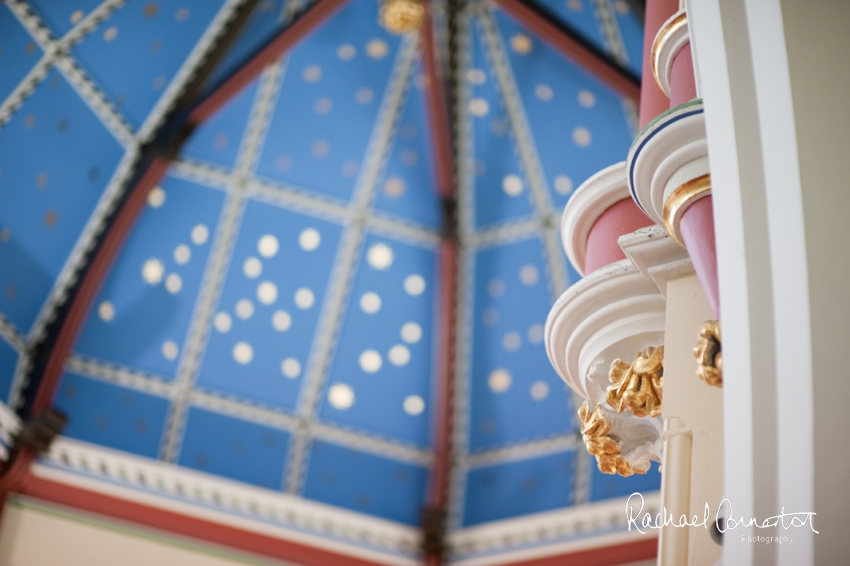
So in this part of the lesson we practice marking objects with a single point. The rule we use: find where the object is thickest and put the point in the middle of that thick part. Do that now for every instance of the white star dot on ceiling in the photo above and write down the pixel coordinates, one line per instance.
(110, 33)
(377, 49)
(539, 390)
(394, 187)
(490, 317)
(399, 355)
(535, 334)
(267, 292)
(312, 73)
(543, 92)
(304, 298)
(581, 136)
(243, 353)
(309, 239)
(479, 107)
(476, 76)
(200, 234)
(586, 99)
(320, 149)
(349, 169)
(152, 271)
(380, 256)
(106, 311)
(341, 396)
(413, 405)
(346, 52)
(244, 309)
(170, 350)
(156, 197)
(414, 285)
(499, 380)
(222, 322)
(364, 95)
(182, 254)
(496, 288)
(512, 185)
(291, 368)
(323, 106)
(370, 361)
(281, 321)
(252, 268)
(370, 302)
(173, 283)
(411, 332)
(528, 274)
(511, 341)
(563, 185)
(268, 245)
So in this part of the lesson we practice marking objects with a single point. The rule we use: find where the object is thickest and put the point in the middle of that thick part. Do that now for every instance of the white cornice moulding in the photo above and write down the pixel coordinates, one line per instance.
(589, 201)
(670, 151)
(613, 313)
(656, 255)
(548, 534)
(227, 502)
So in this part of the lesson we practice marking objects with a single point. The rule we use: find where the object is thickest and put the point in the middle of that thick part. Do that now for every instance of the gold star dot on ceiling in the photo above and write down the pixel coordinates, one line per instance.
(521, 43)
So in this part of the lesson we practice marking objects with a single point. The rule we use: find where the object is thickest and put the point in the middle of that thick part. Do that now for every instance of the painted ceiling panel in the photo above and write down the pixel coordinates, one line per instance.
(217, 140)
(366, 483)
(604, 486)
(234, 448)
(165, 32)
(512, 489)
(110, 415)
(142, 313)
(266, 318)
(579, 125)
(334, 84)
(62, 16)
(18, 52)
(501, 189)
(265, 21)
(56, 158)
(387, 369)
(515, 394)
(408, 189)
(8, 359)
(579, 15)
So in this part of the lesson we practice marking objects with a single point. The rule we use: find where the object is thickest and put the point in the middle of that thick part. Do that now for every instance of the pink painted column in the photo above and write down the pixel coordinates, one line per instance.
(683, 85)
(653, 101)
(622, 217)
(697, 229)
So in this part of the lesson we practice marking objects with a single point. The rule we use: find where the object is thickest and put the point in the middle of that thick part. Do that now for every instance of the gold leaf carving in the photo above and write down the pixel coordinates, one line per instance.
(637, 387)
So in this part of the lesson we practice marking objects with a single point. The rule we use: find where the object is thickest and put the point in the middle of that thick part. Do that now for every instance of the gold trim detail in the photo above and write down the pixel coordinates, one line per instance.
(660, 39)
(637, 387)
(401, 16)
(709, 353)
(678, 201)
(594, 429)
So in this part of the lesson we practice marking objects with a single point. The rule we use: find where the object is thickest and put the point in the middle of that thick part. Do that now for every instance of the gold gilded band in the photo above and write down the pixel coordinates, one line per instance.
(663, 35)
(684, 195)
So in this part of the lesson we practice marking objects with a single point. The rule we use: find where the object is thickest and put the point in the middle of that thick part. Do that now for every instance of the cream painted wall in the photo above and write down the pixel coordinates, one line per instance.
(697, 410)
(35, 535)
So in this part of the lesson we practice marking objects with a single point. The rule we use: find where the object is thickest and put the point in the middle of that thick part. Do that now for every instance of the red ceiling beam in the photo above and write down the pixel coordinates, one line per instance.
(444, 164)
(171, 523)
(613, 555)
(573, 49)
(301, 27)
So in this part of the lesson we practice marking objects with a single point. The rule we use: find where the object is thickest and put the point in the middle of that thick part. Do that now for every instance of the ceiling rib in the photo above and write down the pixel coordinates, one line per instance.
(574, 47)
(434, 516)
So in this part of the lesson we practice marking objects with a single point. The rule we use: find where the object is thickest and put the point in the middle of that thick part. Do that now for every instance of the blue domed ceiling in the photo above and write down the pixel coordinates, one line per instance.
(272, 318)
